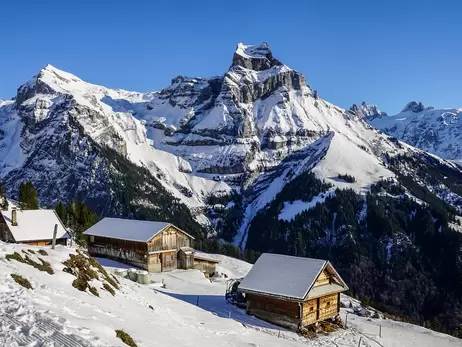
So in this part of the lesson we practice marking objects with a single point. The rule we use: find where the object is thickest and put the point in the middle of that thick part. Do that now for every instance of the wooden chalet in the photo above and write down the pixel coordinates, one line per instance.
(153, 246)
(292, 292)
(31, 227)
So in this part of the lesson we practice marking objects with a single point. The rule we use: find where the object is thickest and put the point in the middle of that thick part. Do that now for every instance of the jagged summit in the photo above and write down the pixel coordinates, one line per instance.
(415, 107)
(254, 57)
(367, 111)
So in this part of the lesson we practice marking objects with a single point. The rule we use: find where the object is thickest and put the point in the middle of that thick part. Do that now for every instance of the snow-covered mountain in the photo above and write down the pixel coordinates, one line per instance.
(251, 130)
(438, 131)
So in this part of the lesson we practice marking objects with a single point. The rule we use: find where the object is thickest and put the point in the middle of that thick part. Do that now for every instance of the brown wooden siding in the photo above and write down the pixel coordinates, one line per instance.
(324, 278)
(185, 261)
(169, 261)
(278, 311)
(169, 239)
(5, 234)
(207, 267)
(328, 306)
(130, 252)
(309, 312)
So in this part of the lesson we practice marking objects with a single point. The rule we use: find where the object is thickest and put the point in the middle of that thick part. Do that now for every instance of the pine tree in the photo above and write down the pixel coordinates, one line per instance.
(60, 211)
(28, 199)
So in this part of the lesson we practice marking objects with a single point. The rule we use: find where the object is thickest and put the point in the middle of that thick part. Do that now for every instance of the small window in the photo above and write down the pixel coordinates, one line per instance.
(168, 258)
(311, 309)
(328, 303)
(92, 238)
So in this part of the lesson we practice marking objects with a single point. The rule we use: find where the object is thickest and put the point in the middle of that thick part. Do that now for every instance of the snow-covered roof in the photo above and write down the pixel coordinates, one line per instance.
(202, 257)
(34, 225)
(128, 229)
(283, 275)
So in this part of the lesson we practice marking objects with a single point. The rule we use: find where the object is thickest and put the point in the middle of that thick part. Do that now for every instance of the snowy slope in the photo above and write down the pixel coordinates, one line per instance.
(54, 311)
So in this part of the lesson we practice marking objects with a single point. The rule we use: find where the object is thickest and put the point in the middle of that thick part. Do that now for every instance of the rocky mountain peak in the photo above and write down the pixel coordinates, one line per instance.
(254, 57)
(414, 106)
(367, 111)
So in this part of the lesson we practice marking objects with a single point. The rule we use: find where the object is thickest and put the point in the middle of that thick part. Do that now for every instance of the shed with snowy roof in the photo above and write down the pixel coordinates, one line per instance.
(291, 291)
(32, 227)
(153, 246)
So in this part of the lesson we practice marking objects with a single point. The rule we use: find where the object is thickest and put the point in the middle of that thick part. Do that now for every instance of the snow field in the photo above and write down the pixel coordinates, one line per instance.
(55, 311)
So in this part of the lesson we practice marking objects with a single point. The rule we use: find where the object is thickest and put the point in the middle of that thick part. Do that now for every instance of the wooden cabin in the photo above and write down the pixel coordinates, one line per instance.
(205, 264)
(292, 292)
(31, 227)
(153, 246)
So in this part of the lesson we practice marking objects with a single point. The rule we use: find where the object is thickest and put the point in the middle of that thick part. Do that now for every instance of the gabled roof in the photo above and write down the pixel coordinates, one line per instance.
(128, 229)
(34, 225)
(285, 276)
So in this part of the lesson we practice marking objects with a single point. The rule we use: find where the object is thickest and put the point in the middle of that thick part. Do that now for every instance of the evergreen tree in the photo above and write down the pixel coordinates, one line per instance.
(60, 211)
(28, 199)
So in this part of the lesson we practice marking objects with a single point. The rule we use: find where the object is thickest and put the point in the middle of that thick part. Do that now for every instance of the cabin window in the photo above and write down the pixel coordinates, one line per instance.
(328, 303)
(311, 309)
(168, 258)
(92, 238)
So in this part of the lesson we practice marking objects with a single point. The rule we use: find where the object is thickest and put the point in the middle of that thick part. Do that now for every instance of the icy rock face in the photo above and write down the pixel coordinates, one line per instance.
(256, 58)
(367, 111)
(414, 106)
(228, 111)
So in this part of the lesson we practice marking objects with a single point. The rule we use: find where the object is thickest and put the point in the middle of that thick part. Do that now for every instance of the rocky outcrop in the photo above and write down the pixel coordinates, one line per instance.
(367, 111)
(414, 106)
(257, 58)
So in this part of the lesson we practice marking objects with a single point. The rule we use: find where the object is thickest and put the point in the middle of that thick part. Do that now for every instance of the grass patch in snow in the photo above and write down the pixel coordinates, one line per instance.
(42, 266)
(152, 308)
(108, 278)
(125, 338)
(86, 269)
(22, 281)
(42, 252)
(31, 251)
(109, 288)
(15, 256)
(93, 290)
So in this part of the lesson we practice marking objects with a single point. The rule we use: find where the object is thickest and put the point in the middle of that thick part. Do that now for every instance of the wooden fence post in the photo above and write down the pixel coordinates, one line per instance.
(346, 321)
(359, 343)
(380, 330)
(197, 301)
(279, 333)
(55, 233)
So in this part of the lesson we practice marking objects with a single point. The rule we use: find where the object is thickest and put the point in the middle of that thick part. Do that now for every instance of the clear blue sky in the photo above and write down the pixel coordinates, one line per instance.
(384, 52)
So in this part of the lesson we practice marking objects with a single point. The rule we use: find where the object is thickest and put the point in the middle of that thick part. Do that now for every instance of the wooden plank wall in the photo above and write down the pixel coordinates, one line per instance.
(185, 261)
(324, 278)
(120, 244)
(169, 239)
(328, 306)
(5, 234)
(169, 261)
(310, 309)
(205, 266)
(278, 311)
